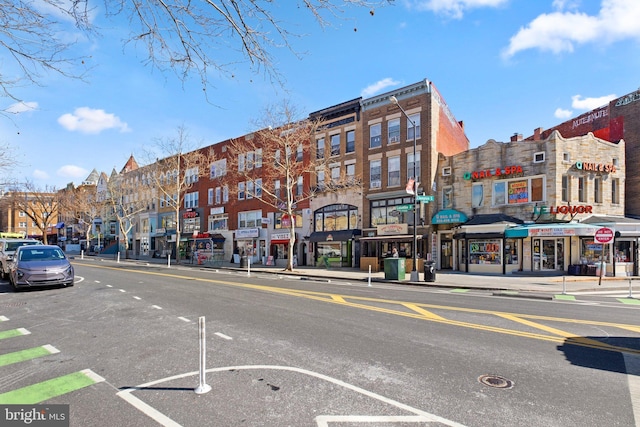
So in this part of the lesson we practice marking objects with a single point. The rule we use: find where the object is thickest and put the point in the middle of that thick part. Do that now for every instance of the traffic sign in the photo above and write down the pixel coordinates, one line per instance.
(425, 198)
(404, 208)
(604, 235)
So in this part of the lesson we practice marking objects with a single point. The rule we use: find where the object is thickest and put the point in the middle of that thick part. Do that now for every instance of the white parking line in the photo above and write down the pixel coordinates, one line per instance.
(138, 298)
(221, 335)
(157, 307)
(122, 290)
(184, 319)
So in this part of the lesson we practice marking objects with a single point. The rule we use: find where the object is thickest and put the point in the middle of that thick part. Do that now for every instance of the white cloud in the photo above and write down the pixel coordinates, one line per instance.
(562, 114)
(560, 31)
(38, 174)
(378, 86)
(72, 171)
(453, 8)
(590, 103)
(21, 107)
(89, 120)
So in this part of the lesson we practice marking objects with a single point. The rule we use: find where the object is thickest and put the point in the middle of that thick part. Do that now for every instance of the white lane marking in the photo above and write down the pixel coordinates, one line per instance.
(95, 377)
(184, 319)
(97, 281)
(157, 307)
(122, 290)
(51, 349)
(23, 331)
(138, 298)
(632, 364)
(324, 420)
(109, 286)
(166, 421)
(221, 335)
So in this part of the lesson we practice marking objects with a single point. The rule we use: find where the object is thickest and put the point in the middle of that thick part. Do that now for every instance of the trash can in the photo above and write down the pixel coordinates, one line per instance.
(394, 268)
(244, 262)
(429, 271)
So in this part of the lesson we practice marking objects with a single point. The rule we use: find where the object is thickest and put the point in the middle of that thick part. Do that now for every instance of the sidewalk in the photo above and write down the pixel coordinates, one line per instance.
(546, 284)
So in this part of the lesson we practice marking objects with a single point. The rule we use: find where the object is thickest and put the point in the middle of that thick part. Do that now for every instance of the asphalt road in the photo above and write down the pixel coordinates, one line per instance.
(122, 348)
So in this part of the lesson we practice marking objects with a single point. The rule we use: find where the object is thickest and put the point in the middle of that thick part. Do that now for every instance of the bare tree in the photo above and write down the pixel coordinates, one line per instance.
(186, 37)
(82, 206)
(40, 205)
(277, 167)
(178, 166)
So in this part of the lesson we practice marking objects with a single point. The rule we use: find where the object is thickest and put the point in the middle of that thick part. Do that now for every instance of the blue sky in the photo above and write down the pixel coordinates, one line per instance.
(502, 66)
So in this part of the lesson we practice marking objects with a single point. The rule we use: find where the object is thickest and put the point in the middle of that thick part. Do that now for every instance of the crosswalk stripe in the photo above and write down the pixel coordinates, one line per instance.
(37, 393)
(13, 333)
(28, 354)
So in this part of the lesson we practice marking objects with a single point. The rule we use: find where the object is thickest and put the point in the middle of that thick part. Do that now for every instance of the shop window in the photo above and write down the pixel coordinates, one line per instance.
(511, 255)
(590, 251)
(485, 251)
(623, 251)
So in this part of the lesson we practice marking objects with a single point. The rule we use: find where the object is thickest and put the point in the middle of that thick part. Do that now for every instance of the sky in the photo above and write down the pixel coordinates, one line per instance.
(502, 66)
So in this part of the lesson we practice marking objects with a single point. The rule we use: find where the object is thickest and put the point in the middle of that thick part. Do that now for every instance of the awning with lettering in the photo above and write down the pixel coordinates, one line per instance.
(396, 237)
(216, 237)
(550, 230)
(449, 216)
(329, 236)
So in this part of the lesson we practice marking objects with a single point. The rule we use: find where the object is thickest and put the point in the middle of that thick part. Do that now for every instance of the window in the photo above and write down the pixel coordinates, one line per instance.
(210, 196)
(22, 214)
(218, 195)
(566, 186)
(320, 175)
(22, 224)
(335, 145)
(447, 198)
(258, 188)
(336, 217)
(446, 171)
(375, 174)
(191, 200)
(299, 187)
(276, 188)
(526, 190)
(393, 131)
(350, 173)
(385, 211)
(191, 175)
(249, 194)
(299, 153)
(375, 136)
(218, 222)
(225, 194)
(597, 189)
(566, 157)
(320, 148)
(277, 157)
(241, 191)
(615, 191)
(335, 174)
(249, 162)
(477, 195)
(240, 162)
(415, 118)
(582, 191)
(258, 158)
(218, 169)
(538, 157)
(393, 166)
(351, 141)
(249, 219)
(410, 165)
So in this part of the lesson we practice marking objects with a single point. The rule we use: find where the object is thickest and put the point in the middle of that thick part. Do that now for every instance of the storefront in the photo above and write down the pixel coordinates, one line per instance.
(624, 256)
(375, 248)
(335, 248)
(250, 243)
(444, 236)
(279, 249)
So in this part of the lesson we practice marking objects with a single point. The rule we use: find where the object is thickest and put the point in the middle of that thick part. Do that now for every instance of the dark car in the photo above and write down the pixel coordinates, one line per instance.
(40, 265)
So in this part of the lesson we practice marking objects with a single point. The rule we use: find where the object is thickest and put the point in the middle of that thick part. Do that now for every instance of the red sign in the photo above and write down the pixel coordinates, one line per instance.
(604, 235)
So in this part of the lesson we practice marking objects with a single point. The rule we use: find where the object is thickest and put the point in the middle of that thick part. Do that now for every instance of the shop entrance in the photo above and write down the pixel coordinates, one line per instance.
(446, 254)
(548, 254)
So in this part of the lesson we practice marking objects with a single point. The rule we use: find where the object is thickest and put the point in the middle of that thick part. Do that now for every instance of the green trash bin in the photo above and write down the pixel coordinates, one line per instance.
(394, 268)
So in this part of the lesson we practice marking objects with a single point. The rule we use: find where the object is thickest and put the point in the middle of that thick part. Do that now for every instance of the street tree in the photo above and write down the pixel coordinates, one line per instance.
(175, 164)
(40, 205)
(276, 166)
(188, 38)
(81, 207)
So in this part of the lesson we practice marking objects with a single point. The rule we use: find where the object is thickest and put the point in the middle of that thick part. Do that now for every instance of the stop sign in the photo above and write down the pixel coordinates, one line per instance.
(604, 235)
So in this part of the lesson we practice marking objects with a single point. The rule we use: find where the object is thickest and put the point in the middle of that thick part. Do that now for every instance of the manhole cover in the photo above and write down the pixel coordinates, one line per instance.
(496, 381)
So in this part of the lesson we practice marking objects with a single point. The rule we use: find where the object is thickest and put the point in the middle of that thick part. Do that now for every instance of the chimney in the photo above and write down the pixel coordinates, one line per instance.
(537, 134)
(516, 137)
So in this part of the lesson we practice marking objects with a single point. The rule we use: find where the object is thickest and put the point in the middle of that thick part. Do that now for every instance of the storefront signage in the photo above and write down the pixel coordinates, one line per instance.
(448, 216)
(392, 229)
(490, 173)
(280, 236)
(596, 167)
(552, 231)
(247, 233)
(190, 214)
(562, 210)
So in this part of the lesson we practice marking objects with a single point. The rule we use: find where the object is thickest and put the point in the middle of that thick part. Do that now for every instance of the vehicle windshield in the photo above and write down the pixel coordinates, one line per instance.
(12, 246)
(41, 254)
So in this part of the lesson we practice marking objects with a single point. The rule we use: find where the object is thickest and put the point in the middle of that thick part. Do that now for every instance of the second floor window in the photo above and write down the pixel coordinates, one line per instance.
(375, 174)
(415, 118)
(320, 148)
(582, 195)
(393, 131)
(615, 191)
(375, 136)
(393, 164)
(191, 200)
(597, 190)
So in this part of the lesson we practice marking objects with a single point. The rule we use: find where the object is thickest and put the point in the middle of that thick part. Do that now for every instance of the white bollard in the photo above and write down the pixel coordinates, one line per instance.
(118, 261)
(203, 387)
(564, 285)
(82, 254)
(369, 276)
(248, 266)
(169, 260)
(630, 289)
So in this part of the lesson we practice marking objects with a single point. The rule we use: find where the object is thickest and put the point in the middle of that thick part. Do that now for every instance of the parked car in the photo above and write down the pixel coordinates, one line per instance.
(40, 265)
(8, 247)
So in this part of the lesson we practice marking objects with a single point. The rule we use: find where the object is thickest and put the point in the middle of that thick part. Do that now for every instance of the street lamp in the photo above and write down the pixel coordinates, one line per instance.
(414, 267)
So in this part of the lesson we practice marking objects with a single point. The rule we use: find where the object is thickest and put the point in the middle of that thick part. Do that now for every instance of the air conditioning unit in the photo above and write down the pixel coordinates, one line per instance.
(375, 184)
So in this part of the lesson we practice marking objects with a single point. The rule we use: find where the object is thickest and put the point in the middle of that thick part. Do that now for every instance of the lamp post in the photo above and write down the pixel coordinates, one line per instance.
(414, 267)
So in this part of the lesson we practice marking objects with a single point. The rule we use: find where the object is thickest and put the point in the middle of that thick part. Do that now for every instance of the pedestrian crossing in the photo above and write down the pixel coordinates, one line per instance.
(45, 390)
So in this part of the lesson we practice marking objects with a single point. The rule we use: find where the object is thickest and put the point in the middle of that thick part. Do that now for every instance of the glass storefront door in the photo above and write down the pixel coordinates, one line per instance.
(548, 254)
